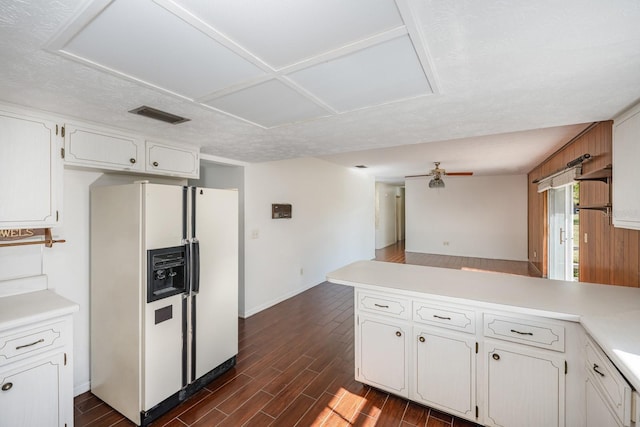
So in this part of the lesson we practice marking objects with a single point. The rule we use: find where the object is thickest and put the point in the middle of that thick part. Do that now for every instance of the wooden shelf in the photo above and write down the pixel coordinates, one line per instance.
(603, 175)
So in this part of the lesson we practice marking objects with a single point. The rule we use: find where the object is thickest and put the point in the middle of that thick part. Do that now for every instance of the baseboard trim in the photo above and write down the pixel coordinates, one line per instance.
(81, 388)
(275, 301)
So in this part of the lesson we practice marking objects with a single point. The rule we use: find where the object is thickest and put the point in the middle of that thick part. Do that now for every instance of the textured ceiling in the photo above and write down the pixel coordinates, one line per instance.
(489, 68)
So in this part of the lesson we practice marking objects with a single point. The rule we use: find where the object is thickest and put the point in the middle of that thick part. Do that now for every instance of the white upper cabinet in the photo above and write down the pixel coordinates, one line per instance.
(626, 174)
(111, 150)
(171, 160)
(100, 148)
(30, 171)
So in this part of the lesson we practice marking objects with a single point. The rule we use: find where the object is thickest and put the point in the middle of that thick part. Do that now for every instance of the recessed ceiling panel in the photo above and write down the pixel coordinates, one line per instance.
(376, 75)
(269, 104)
(143, 40)
(285, 32)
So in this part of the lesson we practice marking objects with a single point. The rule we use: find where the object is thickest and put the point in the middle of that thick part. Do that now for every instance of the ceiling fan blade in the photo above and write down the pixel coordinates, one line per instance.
(459, 173)
(418, 176)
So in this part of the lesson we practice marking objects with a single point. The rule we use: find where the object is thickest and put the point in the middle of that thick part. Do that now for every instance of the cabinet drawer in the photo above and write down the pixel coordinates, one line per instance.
(525, 331)
(15, 346)
(383, 304)
(612, 384)
(446, 317)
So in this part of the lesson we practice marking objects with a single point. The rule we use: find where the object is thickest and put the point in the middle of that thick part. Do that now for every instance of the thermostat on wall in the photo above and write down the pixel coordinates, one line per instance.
(279, 210)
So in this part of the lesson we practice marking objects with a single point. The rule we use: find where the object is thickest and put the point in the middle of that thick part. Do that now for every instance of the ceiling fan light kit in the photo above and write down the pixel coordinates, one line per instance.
(436, 182)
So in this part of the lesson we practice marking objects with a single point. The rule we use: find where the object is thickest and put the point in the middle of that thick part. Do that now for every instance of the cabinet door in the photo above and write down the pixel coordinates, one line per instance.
(382, 354)
(599, 414)
(30, 171)
(525, 387)
(445, 372)
(30, 394)
(170, 160)
(93, 147)
(626, 174)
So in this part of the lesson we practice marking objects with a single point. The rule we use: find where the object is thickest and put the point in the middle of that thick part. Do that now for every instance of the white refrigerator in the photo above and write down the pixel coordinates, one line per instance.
(164, 293)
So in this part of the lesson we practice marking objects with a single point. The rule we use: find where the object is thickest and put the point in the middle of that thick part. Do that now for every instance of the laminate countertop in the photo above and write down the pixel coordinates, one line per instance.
(30, 307)
(610, 314)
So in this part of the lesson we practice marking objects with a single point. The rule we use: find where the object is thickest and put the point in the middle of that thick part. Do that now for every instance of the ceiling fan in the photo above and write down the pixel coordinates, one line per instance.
(437, 173)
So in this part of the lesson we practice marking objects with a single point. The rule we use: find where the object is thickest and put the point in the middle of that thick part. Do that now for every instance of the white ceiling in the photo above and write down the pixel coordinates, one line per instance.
(488, 86)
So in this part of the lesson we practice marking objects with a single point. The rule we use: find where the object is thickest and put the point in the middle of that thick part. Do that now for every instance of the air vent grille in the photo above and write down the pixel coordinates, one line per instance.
(153, 113)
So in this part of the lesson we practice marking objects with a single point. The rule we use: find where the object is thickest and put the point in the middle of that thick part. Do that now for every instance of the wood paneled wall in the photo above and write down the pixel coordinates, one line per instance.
(610, 255)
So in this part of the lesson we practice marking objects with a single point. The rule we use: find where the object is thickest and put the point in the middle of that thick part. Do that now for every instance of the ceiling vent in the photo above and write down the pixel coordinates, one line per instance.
(152, 113)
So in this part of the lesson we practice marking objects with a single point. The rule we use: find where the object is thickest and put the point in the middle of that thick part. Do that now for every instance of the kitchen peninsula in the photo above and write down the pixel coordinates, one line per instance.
(497, 349)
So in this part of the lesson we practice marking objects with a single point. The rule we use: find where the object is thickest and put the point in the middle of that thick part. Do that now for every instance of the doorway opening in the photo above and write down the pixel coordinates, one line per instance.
(564, 229)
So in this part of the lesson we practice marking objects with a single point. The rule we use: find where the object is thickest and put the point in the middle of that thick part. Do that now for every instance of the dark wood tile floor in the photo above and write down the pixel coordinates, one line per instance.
(295, 367)
(396, 253)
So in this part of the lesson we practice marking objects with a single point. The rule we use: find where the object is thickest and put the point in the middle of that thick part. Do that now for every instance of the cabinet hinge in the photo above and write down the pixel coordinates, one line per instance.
(565, 367)
(65, 359)
(476, 348)
(57, 216)
(56, 129)
(62, 131)
(477, 412)
(62, 152)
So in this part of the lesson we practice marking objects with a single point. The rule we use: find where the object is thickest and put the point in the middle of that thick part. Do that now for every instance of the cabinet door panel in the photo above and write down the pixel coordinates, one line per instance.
(598, 412)
(101, 149)
(31, 172)
(170, 160)
(524, 388)
(383, 355)
(446, 372)
(32, 393)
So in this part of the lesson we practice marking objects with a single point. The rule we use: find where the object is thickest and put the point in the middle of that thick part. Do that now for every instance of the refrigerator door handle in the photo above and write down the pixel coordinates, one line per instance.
(195, 264)
(188, 268)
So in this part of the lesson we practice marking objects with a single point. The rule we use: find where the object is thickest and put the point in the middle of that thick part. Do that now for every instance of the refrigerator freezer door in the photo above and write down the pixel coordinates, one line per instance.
(216, 304)
(162, 365)
(163, 216)
(163, 360)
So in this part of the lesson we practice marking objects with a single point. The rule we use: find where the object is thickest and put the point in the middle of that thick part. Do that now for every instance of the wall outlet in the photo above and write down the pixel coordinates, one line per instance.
(255, 233)
(445, 243)
(586, 239)
(301, 271)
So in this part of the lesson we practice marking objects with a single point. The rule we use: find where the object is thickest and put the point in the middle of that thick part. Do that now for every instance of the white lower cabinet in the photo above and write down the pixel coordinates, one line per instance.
(599, 413)
(30, 393)
(524, 387)
(382, 351)
(36, 367)
(445, 372)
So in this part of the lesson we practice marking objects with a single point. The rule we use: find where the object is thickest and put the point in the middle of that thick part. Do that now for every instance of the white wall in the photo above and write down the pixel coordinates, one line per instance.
(332, 225)
(385, 211)
(483, 217)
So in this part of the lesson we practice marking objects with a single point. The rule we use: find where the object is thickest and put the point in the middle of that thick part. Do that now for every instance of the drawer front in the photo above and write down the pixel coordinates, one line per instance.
(383, 304)
(614, 387)
(525, 331)
(15, 346)
(446, 317)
